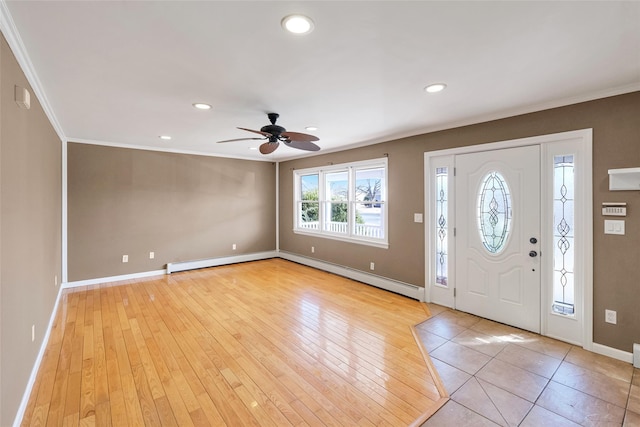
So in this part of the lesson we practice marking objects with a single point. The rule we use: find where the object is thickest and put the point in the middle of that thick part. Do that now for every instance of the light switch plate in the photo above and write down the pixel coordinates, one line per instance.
(417, 217)
(614, 226)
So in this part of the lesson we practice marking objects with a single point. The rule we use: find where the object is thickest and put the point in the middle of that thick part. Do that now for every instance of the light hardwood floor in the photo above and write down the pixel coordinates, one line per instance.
(262, 343)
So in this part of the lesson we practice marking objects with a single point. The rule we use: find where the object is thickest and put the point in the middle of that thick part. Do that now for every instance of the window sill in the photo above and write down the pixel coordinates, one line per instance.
(342, 238)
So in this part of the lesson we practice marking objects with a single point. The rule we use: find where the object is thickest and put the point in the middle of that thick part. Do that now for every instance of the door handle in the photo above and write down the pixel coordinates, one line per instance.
(533, 254)
(533, 240)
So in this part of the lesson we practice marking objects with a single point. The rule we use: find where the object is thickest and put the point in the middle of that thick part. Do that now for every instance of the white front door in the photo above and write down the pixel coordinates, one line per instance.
(497, 260)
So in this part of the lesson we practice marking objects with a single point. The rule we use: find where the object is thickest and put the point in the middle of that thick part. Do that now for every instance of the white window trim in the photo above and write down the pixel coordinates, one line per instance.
(350, 168)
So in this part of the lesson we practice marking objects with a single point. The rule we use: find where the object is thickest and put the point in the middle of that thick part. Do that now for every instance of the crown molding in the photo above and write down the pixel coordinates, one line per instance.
(499, 115)
(11, 34)
(165, 150)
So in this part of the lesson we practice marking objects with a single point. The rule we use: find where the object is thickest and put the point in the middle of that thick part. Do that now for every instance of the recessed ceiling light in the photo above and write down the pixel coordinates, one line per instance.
(311, 128)
(202, 106)
(436, 87)
(253, 148)
(164, 137)
(297, 24)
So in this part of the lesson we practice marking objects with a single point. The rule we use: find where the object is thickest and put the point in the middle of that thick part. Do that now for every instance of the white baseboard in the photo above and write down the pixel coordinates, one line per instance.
(402, 288)
(113, 278)
(36, 366)
(625, 356)
(172, 267)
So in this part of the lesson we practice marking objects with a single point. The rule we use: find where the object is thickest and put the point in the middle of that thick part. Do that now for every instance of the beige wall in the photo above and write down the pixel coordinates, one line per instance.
(182, 207)
(616, 144)
(30, 231)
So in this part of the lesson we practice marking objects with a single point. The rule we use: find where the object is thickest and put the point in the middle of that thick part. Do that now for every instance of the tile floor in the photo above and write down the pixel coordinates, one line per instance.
(499, 375)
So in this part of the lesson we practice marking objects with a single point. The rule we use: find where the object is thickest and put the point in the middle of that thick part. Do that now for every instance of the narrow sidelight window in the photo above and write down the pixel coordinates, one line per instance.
(441, 226)
(563, 236)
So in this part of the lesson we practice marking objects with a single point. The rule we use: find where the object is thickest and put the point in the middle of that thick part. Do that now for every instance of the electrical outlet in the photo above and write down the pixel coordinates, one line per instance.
(233, 246)
(313, 249)
(125, 258)
(152, 255)
(33, 333)
(372, 266)
(610, 316)
(55, 280)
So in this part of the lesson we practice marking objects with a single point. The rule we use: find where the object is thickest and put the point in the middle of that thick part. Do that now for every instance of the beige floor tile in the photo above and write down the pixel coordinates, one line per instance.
(454, 414)
(442, 327)
(478, 341)
(579, 407)
(512, 408)
(473, 396)
(610, 389)
(540, 417)
(586, 388)
(530, 360)
(636, 376)
(436, 309)
(599, 363)
(544, 345)
(631, 419)
(524, 384)
(460, 357)
(634, 399)
(429, 340)
(460, 318)
(451, 377)
(499, 330)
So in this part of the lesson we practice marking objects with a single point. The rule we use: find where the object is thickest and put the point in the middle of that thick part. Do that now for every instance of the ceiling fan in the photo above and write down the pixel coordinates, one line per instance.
(274, 135)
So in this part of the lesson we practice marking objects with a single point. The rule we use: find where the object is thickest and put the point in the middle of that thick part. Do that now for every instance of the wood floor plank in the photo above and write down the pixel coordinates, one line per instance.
(147, 405)
(266, 343)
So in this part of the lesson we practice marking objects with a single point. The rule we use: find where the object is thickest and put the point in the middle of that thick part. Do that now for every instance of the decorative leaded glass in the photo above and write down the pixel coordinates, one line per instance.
(441, 226)
(494, 212)
(563, 237)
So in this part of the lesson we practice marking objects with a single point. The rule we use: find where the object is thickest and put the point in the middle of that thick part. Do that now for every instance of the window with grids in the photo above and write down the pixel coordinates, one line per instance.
(344, 202)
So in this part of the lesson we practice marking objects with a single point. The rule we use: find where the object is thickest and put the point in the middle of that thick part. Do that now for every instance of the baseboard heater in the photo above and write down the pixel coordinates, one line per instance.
(402, 288)
(174, 267)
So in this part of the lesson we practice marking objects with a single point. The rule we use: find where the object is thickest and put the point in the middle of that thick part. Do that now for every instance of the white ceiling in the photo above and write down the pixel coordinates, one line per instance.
(125, 72)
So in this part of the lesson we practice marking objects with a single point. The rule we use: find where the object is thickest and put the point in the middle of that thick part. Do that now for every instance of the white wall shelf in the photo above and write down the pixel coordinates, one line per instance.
(624, 179)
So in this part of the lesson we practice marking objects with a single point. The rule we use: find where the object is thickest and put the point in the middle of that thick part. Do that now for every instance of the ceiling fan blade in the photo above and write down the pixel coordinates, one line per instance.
(269, 147)
(297, 136)
(303, 145)
(267, 134)
(241, 139)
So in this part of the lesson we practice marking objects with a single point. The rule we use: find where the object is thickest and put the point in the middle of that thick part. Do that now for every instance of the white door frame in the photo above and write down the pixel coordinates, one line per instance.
(581, 143)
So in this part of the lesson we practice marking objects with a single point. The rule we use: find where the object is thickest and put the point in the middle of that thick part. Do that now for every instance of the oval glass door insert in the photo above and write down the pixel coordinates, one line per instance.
(494, 212)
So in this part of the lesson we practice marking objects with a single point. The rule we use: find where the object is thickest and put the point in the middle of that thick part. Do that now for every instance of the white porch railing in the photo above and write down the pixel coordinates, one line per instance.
(361, 230)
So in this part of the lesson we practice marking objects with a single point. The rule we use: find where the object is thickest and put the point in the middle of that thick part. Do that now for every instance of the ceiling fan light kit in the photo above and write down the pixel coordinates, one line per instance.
(274, 134)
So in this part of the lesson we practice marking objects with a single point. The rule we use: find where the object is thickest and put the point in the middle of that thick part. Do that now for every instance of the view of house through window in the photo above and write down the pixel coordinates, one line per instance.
(345, 201)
